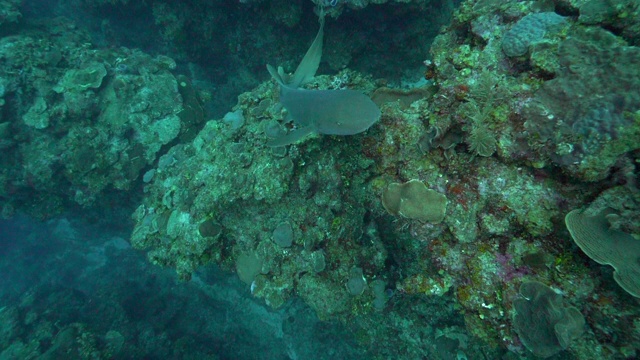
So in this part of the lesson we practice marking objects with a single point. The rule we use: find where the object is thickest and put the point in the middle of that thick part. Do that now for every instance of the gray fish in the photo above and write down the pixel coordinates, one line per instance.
(331, 112)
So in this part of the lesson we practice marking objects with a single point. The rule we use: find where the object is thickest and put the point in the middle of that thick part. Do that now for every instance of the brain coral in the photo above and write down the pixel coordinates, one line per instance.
(528, 30)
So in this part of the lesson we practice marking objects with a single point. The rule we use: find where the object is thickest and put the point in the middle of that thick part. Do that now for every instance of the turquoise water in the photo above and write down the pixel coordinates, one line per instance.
(473, 195)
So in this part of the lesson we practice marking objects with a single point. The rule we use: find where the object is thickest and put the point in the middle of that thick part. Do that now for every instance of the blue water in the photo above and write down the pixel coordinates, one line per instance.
(69, 276)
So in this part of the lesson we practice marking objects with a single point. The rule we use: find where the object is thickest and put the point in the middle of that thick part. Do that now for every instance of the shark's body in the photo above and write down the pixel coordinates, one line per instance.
(331, 112)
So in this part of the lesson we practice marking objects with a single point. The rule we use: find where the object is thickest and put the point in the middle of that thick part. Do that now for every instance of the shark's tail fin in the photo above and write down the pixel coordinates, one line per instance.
(307, 68)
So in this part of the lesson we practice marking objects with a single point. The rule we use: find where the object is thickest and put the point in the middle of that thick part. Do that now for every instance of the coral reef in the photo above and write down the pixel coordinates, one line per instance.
(439, 232)
(504, 135)
(85, 120)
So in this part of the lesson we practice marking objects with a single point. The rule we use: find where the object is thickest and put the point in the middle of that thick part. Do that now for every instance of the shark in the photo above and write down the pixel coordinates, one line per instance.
(329, 112)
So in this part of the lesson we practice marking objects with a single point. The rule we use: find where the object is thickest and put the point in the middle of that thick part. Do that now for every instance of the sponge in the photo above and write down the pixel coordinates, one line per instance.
(544, 324)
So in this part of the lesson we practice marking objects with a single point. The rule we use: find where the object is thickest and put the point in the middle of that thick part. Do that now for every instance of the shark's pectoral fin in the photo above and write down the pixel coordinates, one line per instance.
(291, 137)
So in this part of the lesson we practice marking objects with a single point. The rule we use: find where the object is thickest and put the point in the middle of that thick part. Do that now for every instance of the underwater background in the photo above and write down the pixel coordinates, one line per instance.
(489, 209)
